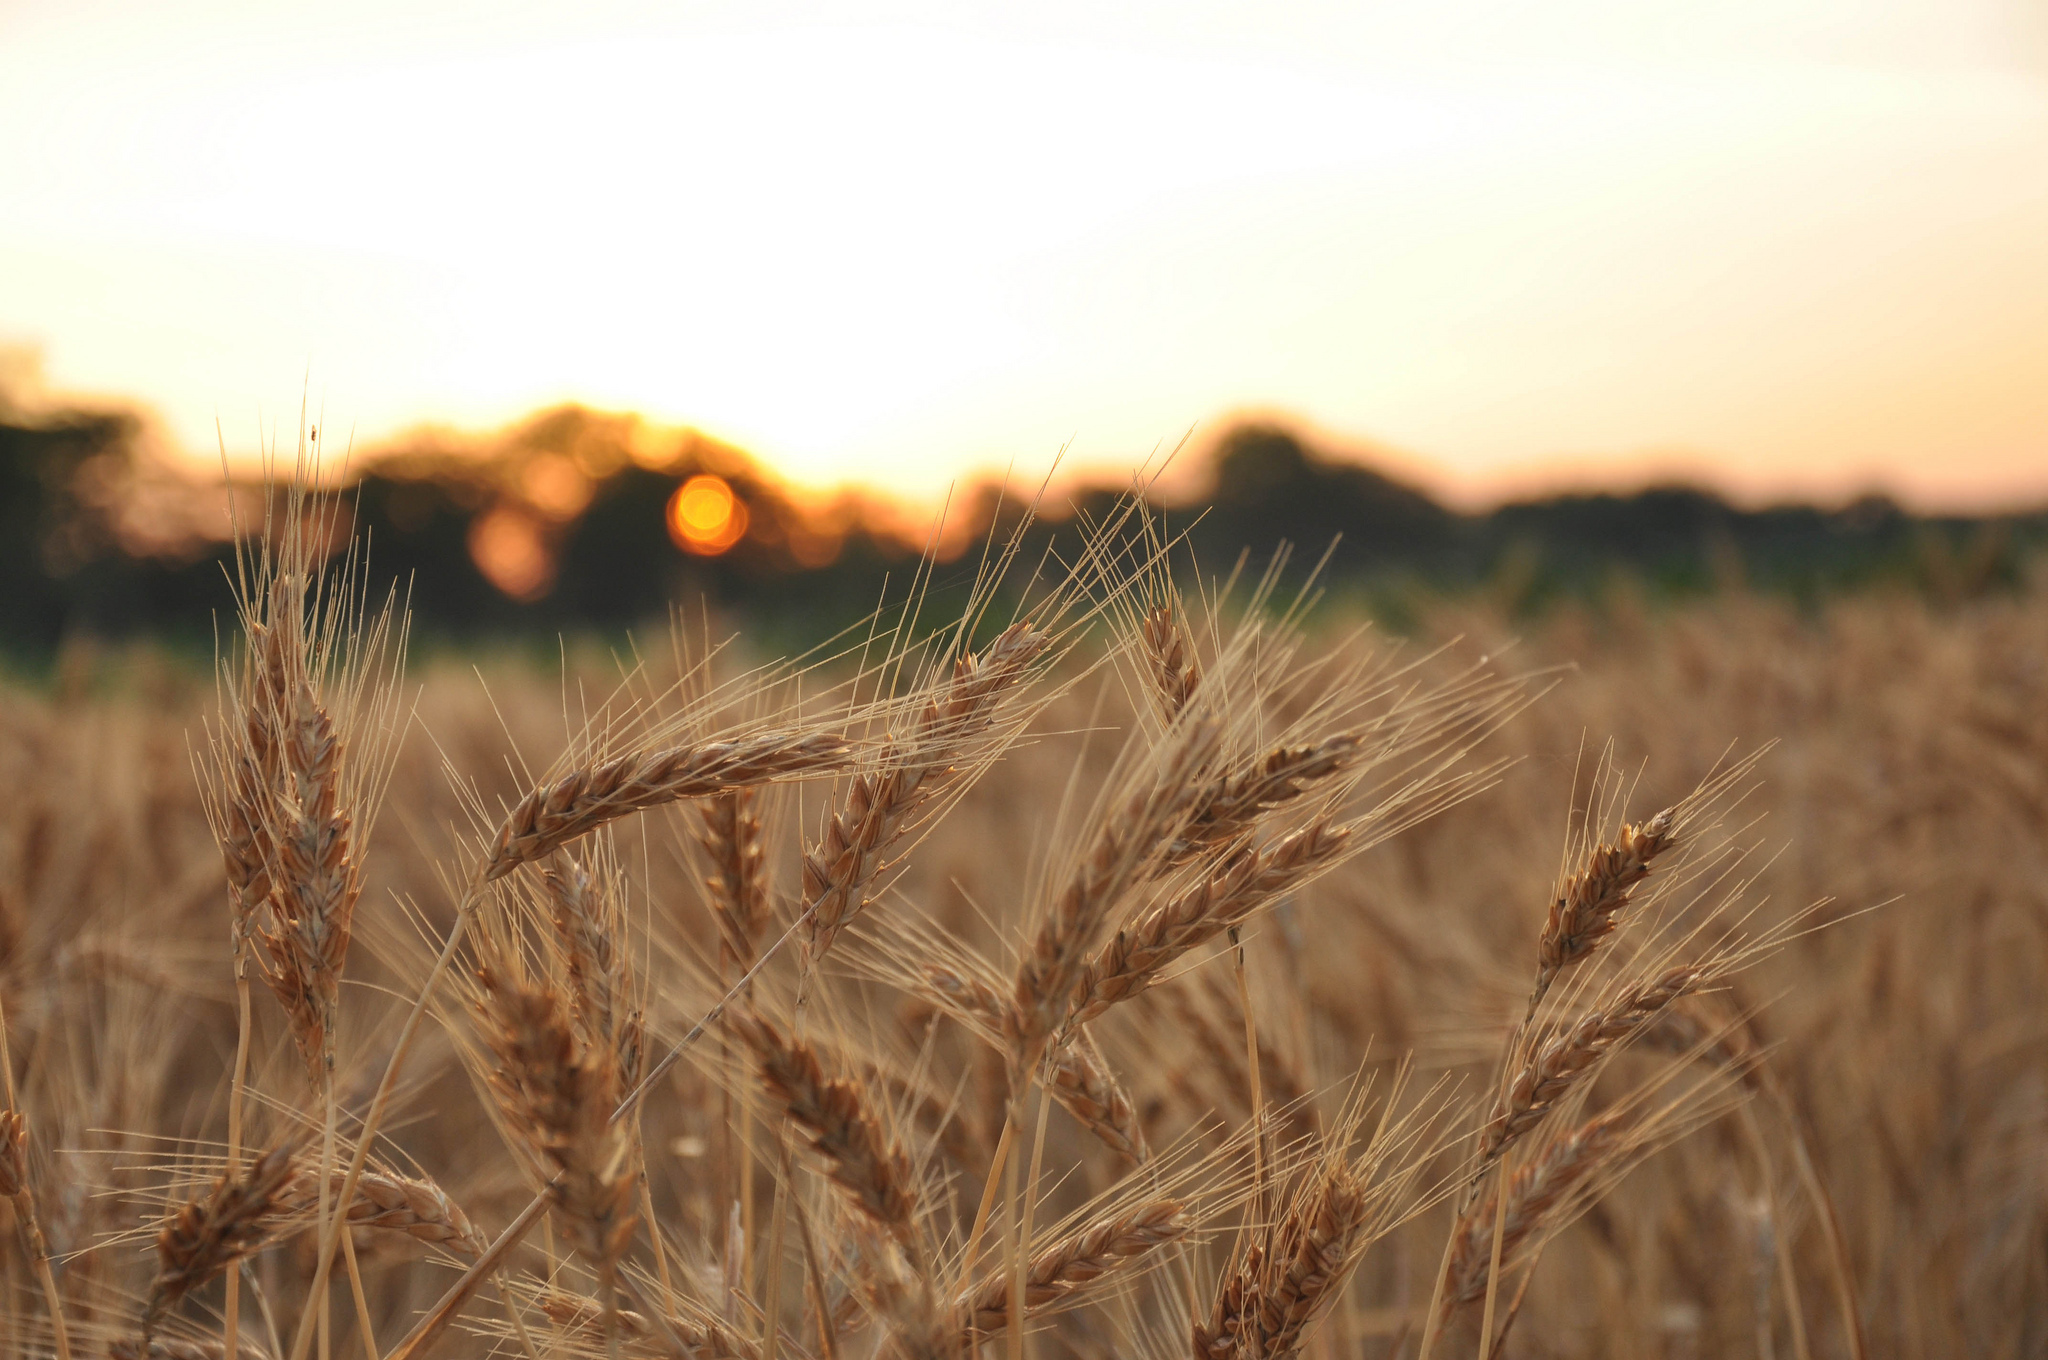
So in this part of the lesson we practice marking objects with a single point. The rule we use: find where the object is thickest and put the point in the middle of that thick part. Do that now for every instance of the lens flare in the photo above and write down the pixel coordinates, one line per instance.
(705, 517)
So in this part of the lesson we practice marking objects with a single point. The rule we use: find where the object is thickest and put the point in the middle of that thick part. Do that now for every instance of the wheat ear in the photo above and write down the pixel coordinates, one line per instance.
(205, 1236)
(1585, 910)
(1170, 660)
(1068, 1267)
(738, 881)
(1536, 1192)
(558, 1093)
(1291, 1275)
(587, 798)
(879, 806)
(841, 1123)
(415, 1207)
(1127, 841)
(1227, 896)
(1557, 1067)
(1232, 806)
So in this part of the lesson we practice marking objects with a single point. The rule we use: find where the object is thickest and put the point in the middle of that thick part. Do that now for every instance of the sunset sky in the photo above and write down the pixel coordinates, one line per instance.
(1794, 246)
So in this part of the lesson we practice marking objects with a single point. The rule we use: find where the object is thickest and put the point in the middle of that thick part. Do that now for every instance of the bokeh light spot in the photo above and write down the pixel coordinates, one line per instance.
(705, 517)
(508, 549)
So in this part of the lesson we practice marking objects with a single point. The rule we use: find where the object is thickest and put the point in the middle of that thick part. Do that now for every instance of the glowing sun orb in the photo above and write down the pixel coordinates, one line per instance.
(705, 517)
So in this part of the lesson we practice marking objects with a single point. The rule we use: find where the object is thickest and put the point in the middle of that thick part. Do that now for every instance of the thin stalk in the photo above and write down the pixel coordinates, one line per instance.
(231, 1307)
(424, 1332)
(988, 1200)
(1014, 1248)
(771, 1303)
(1021, 1342)
(1500, 1229)
(1251, 1058)
(355, 1282)
(321, 1296)
(31, 1229)
(379, 1104)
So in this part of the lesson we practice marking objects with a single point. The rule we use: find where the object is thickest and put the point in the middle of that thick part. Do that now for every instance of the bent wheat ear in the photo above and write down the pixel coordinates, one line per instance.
(879, 806)
(841, 1122)
(1231, 806)
(1536, 1194)
(1066, 1269)
(1228, 896)
(1557, 1067)
(206, 1236)
(419, 1209)
(583, 800)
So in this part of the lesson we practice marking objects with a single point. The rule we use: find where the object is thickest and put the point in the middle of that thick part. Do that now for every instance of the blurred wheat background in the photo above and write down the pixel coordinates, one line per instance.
(1825, 1138)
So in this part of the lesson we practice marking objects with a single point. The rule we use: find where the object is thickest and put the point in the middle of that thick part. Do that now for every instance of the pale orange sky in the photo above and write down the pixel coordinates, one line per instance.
(1789, 245)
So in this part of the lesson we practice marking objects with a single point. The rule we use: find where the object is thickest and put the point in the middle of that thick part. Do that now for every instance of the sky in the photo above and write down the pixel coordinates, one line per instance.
(1793, 247)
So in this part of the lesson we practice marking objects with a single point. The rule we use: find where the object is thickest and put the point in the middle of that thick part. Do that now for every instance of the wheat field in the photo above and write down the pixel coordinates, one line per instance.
(1113, 968)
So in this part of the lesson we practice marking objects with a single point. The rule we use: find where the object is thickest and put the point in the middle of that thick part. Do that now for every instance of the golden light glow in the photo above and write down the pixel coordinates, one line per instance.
(1794, 244)
(705, 517)
(507, 547)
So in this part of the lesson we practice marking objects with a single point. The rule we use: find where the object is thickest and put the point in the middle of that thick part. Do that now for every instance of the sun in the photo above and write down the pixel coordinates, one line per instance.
(705, 517)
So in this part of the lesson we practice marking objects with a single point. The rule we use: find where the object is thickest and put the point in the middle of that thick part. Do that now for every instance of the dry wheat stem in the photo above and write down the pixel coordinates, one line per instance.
(17, 1190)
